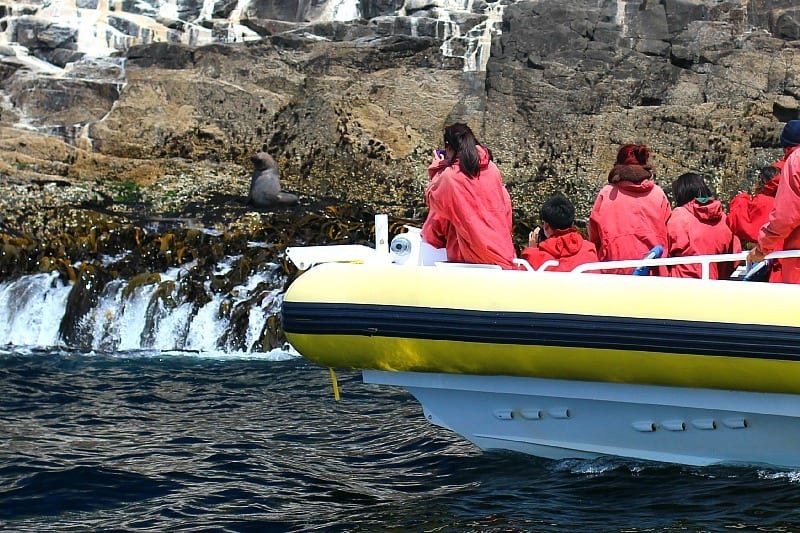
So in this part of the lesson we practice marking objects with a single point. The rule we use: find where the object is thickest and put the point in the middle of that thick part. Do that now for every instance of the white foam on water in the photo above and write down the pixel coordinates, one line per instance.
(172, 327)
(102, 323)
(206, 328)
(276, 354)
(793, 476)
(132, 319)
(144, 318)
(225, 265)
(31, 309)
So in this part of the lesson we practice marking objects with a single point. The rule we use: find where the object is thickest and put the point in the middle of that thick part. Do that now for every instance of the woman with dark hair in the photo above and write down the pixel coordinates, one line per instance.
(469, 209)
(698, 226)
(691, 186)
(629, 216)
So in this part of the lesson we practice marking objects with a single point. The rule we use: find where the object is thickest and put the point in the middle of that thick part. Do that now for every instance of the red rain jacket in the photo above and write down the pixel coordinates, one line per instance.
(566, 246)
(746, 215)
(470, 217)
(700, 229)
(628, 219)
(783, 227)
(786, 153)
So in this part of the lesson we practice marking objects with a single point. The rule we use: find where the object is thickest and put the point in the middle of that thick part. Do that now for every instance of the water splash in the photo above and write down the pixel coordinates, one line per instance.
(40, 300)
(474, 45)
(340, 10)
(621, 17)
(109, 26)
(793, 476)
(154, 316)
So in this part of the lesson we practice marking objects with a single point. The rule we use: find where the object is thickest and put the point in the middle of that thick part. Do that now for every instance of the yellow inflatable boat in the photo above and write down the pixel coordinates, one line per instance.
(576, 364)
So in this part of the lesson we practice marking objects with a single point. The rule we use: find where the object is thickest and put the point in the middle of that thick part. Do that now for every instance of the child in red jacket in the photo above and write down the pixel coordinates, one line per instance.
(558, 239)
(697, 226)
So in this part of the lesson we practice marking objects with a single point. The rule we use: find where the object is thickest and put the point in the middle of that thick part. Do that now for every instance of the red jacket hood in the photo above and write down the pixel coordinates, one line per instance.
(568, 243)
(771, 187)
(632, 173)
(710, 212)
(483, 156)
(786, 153)
(641, 187)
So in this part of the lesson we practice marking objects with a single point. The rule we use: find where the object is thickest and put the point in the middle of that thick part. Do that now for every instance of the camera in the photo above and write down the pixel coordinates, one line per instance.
(441, 152)
(540, 236)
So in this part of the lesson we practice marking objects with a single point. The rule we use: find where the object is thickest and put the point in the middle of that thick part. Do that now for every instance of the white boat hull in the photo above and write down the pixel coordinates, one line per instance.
(577, 419)
(563, 364)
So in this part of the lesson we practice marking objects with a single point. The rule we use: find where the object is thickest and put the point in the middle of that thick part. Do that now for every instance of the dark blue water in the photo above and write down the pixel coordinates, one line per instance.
(175, 442)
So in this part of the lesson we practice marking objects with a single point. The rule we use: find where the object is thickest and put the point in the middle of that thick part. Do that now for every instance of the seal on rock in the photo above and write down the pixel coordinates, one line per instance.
(265, 184)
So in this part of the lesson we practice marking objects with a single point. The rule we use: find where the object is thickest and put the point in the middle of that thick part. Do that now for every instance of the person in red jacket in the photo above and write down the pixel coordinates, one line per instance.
(469, 209)
(697, 226)
(629, 216)
(783, 226)
(747, 214)
(558, 239)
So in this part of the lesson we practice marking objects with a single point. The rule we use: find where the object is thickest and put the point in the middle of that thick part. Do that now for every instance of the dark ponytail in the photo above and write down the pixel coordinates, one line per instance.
(461, 139)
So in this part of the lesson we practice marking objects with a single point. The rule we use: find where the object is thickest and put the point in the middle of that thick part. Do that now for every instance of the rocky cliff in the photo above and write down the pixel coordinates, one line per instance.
(127, 127)
(351, 109)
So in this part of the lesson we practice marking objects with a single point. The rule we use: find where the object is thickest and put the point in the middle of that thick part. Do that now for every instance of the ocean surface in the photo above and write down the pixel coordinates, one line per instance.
(142, 441)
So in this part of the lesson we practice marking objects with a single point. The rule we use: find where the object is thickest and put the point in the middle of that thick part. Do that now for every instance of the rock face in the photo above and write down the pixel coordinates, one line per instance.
(352, 110)
(140, 140)
(701, 83)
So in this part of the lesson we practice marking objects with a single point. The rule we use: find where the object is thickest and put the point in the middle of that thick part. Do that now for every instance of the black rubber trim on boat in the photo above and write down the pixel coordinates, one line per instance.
(546, 329)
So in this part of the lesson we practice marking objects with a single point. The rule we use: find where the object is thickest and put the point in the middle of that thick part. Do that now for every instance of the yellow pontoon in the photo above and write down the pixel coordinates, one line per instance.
(575, 364)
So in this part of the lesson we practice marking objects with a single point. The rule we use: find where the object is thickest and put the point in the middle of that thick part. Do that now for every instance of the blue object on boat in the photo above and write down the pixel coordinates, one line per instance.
(755, 269)
(654, 253)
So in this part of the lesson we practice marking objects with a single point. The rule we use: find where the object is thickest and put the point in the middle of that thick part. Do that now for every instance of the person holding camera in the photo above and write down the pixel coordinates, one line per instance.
(558, 239)
(469, 208)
